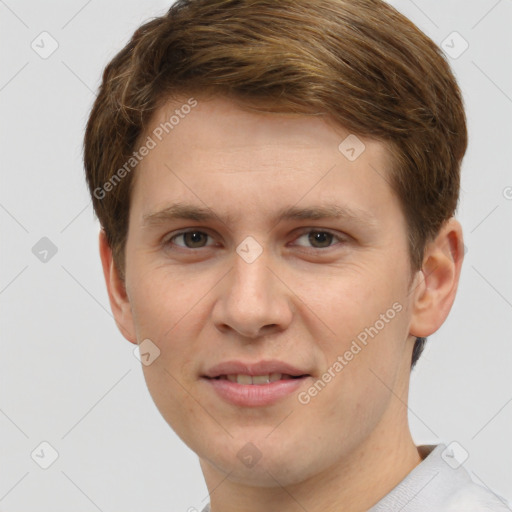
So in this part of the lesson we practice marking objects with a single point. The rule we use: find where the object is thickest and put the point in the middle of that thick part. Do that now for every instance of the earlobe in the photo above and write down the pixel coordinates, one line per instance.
(119, 300)
(438, 280)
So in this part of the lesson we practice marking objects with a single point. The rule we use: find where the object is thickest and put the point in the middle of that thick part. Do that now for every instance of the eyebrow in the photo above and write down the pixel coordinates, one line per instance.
(185, 211)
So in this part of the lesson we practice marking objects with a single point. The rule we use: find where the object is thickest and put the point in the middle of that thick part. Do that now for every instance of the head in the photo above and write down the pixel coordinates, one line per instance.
(246, 110)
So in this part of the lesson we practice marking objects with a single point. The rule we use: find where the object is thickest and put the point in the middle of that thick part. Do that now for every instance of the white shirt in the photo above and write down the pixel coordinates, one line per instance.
(438, 484)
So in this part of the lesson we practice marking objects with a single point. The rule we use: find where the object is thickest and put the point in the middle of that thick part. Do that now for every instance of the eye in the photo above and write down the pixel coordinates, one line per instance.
(320, 239)
(195, 239)
(192, 239)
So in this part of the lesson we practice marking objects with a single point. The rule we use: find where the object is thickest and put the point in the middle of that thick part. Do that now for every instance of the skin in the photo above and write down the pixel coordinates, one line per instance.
(301, 301)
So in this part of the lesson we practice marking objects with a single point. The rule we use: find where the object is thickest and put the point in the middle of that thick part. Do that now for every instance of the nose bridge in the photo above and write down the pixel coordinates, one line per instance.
(251, 287)
(251, 278)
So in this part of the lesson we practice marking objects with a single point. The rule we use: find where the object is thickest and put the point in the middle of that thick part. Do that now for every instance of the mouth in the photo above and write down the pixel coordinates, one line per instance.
(254, 384)
(257, 380)
(263, 370)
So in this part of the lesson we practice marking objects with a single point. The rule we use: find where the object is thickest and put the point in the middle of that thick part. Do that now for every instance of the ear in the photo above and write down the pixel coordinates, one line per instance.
(436, 283)
(119, 301)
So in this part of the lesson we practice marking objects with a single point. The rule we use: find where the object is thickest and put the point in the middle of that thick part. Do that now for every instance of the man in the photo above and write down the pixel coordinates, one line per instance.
(276, 184)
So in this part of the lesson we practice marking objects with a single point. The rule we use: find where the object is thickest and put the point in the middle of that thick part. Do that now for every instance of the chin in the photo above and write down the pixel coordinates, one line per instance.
(265, 463)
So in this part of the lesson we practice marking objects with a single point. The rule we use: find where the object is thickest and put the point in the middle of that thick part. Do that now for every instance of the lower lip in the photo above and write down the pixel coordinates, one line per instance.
(255, 395)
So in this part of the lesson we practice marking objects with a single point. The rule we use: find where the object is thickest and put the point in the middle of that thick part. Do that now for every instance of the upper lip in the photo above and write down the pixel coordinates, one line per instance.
(263, 367)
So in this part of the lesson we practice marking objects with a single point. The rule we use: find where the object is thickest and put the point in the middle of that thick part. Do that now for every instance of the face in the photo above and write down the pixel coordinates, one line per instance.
(256, 247)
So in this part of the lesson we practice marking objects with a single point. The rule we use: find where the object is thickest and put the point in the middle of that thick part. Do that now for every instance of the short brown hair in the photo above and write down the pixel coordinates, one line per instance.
(358, 61)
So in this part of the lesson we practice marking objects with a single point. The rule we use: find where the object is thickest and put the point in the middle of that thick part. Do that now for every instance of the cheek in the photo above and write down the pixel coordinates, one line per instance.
(368, 314)
(166, 315)
(355, 400)
(353, 299)
(164, 302)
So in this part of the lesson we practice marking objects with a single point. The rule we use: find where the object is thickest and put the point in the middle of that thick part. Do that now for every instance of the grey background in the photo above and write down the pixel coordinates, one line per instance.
(69, 378)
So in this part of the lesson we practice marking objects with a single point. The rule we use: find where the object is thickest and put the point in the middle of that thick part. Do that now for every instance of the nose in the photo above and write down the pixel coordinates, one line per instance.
(253, 299)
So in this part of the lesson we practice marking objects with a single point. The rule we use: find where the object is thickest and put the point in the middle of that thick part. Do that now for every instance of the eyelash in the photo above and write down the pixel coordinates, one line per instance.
(340, 239)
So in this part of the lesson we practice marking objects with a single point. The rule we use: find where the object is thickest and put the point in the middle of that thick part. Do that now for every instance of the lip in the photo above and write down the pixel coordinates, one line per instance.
(257, 368)
(254, 395)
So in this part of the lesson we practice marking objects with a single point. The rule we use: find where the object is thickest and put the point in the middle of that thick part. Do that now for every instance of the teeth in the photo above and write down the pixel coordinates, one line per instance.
(244, 379)
(261, 379)
(256, 379)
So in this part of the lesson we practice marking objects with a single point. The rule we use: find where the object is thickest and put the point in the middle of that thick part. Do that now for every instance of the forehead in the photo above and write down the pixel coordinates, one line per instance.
(218, 122)
(205, 147)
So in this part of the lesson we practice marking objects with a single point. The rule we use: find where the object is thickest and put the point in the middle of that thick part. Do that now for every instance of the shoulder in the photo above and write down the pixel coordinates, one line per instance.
(440, 483)
(474, 498)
